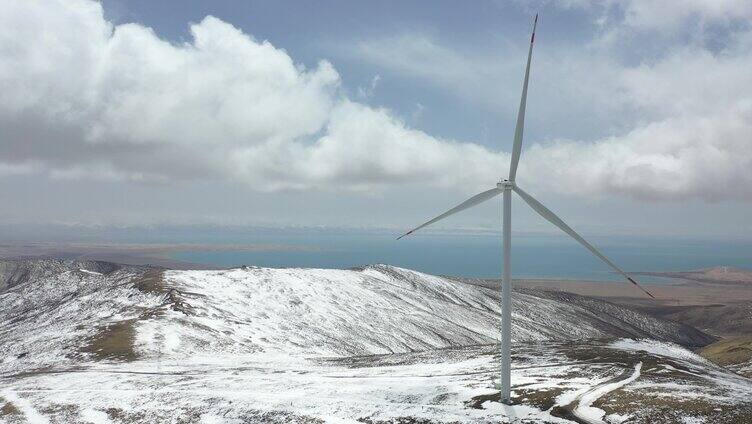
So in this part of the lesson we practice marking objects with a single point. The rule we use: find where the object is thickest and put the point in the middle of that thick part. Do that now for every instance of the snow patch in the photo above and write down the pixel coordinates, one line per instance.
(617, 418)
(31, 414)
(172, 342)
(95, 417)
(591, 414)
(655, 347)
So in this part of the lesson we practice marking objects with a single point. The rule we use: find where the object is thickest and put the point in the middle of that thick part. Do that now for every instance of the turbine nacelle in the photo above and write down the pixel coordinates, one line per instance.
(506, 185)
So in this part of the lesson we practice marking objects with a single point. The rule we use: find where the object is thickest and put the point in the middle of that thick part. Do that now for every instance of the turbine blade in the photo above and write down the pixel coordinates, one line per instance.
(519, 128)
(478, 198)
(552, 218)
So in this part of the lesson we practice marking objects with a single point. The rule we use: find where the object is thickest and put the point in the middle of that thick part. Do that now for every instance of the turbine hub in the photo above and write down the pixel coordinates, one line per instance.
(505, 184)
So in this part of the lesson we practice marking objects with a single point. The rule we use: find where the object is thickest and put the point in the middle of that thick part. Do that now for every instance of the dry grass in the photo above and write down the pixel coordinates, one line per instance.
(730, 351)
(113, 342)
(151, 282)
(651, 408)
(541, 399)
(8, 409)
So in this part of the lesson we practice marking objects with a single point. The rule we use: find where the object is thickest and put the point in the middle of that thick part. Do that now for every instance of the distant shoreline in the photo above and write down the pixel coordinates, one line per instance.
(156, 254)
(694, 287)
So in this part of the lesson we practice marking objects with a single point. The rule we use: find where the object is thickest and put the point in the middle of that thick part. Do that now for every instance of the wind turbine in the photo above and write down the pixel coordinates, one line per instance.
(506, 187)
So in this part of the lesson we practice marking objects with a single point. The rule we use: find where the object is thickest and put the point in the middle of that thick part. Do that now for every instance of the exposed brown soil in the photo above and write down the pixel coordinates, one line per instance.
(113, 342)
(715, 307)
(151, 282)
(654, 408)
(722, 320)
(8, 409)
(716, 275)
(733, 351)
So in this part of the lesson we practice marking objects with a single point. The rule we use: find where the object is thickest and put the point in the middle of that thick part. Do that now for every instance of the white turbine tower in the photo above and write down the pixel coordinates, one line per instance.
(506, 187)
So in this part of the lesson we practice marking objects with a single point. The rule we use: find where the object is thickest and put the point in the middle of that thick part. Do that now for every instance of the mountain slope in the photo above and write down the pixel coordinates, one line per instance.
(734, 353)
(381, 309)
(99, 342)
(52, 310)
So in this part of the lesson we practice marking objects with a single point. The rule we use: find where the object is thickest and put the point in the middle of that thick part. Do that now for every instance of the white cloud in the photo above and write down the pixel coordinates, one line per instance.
(368, 91)
(708, 157)
(571, 90)
(89, 99)
(664, 15)
(690, 136)
(12, 169)
(423, 58)
(668, 15)
(82, 98)
(674, 126)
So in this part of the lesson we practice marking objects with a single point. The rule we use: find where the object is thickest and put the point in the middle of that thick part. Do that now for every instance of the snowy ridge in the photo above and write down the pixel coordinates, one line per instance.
(377, 310)
(52, 309)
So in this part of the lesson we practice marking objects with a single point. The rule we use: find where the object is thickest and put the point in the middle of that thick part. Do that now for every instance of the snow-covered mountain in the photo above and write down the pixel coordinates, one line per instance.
(100, 342)
(52, 309)
(381, 309)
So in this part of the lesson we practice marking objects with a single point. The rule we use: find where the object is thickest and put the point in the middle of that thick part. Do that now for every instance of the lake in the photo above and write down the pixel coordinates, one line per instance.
(475, 255)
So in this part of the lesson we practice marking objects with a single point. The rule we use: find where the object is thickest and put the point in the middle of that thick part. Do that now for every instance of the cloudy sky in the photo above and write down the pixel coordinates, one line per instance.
(375, 114)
